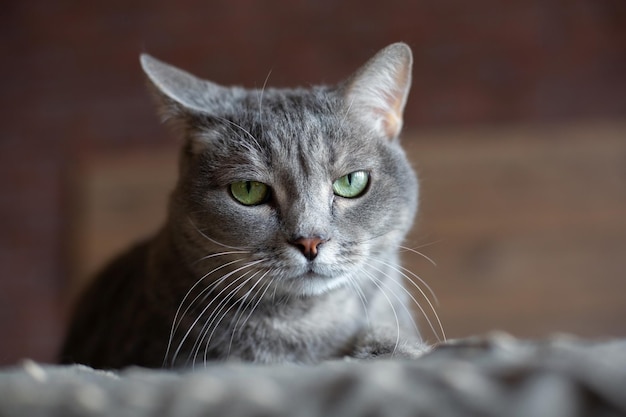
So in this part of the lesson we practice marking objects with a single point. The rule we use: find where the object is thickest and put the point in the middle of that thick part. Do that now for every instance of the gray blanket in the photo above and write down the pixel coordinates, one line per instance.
(493, 376)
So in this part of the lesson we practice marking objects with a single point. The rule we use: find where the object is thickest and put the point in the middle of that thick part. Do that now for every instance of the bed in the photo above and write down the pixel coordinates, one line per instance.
(495, 375)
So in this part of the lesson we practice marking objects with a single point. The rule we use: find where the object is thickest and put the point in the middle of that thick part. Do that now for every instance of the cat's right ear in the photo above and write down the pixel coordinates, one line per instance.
(178, 91)
(378, 91)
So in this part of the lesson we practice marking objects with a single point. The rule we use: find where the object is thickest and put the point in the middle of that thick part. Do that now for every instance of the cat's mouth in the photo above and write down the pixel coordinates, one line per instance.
(323, 277)
(311, 274)
(319, 271)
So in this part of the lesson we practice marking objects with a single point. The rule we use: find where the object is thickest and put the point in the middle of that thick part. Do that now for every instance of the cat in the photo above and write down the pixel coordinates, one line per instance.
(283, 232)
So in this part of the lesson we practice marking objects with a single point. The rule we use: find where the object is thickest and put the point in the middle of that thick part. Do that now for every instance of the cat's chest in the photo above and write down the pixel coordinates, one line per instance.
(323, 329)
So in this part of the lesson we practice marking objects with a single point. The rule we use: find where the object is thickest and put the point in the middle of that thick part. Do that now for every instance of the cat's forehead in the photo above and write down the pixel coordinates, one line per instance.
(293, 123)
(303, 134)
(291, 111)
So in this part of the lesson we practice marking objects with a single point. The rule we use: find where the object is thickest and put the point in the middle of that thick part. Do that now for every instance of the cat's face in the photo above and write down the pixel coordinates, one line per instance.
(305, 189)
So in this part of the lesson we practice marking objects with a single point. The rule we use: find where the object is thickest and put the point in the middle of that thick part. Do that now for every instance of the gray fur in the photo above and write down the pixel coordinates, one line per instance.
(226, 281)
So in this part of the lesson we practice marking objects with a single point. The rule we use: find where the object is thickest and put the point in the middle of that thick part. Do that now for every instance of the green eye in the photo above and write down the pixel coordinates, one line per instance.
(250, 193)
(351, 185)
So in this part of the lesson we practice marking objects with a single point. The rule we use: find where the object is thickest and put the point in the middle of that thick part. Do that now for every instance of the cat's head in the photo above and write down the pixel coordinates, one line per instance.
(305, 188)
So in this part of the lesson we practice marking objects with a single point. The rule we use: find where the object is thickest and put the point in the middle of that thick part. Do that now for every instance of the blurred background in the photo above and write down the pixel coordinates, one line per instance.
(516, 125)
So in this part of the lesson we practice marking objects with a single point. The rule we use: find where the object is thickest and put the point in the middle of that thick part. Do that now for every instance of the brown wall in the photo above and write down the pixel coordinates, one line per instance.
(71, 88)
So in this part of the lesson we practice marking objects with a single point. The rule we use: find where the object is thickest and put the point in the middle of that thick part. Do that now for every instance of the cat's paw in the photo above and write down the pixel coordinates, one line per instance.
(377, 349)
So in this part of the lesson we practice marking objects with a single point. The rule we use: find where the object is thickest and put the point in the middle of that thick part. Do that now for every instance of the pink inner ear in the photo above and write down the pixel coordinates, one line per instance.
(389, 121)
(392, 125)
(392, 121)
(390, 116)
(386, 114)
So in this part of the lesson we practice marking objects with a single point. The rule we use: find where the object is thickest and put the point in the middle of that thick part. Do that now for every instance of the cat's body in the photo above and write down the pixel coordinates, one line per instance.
(283, 233)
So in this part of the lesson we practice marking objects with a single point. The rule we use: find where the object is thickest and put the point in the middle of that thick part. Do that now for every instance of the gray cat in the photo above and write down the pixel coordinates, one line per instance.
(282, 239)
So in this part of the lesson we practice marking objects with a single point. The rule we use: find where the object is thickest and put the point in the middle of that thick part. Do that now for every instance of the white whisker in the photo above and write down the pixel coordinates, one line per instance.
(195, 349)
(222, 279)
(213, 255)
(376, 282)
(259, 148)
(413, 274)
(345, 115)
(212, 322)
(401, 286)
(207, 289)
(240, 311)
(362, 297)
(269, 283)
(419, 253)
(261, 96)
(396, 296)
(229, 297)
(212, 240)
(176, 324)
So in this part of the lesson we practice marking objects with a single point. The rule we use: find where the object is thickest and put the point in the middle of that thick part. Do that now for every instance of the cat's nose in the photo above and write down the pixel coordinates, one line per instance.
(308, 245)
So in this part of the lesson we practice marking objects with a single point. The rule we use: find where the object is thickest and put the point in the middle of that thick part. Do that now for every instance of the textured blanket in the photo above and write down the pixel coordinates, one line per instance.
(492, 376)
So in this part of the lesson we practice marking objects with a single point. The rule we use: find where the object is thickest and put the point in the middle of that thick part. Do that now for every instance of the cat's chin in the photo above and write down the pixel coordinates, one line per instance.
(311, 284)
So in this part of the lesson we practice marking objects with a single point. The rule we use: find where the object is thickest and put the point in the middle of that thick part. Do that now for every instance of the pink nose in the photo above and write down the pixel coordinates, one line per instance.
(308, 246)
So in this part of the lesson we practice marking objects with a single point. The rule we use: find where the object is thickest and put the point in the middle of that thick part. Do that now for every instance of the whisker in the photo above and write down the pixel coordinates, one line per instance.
(257, 302)
(362, 297)
(345, 115)
(242, 129)
(175, 325)
(213, 255)
(274, 294)
(359, 242)
(206, 291)
(261, 95)
(222, 279)
(443, 333)
(211, 322)
(396, 296)
(243, 323)
(240, 311)
(376, 282)
(261, 104)
(399, 268)
(210, 287)
(212, 240)
(240, 302)
(419, 253)
(204, 329)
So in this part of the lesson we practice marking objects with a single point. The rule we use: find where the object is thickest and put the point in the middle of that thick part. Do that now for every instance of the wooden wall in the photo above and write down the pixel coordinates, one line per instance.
(526, 225)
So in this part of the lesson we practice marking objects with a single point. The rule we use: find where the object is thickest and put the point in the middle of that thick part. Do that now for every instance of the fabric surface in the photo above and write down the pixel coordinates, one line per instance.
(491, 376)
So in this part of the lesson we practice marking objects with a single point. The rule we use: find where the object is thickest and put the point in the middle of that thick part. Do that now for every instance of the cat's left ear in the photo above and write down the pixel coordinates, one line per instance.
(378, 91)
(178, 90)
